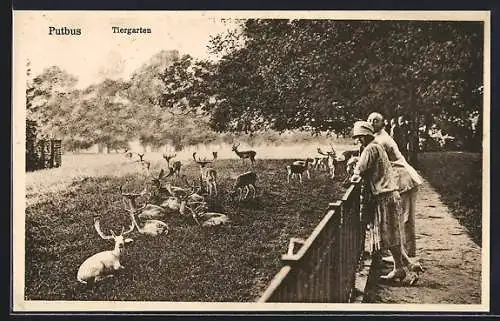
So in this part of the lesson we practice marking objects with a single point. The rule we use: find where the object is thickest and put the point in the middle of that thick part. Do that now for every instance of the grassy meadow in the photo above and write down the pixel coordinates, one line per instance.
(229, 263)
(457, 177)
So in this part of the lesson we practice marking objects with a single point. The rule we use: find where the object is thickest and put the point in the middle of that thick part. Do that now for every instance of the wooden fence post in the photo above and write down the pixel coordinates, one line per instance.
(56, 153)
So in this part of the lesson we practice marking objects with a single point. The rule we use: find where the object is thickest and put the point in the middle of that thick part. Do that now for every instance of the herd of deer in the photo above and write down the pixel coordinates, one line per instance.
(328, 160)
(165, 199)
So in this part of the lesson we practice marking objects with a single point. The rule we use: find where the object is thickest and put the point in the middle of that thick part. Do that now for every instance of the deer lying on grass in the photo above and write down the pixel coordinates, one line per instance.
(207, 218)
(174, 202)
(297, 168)
(244, 181)
(193, 191)
(250, 154)
(148, 211)
(150, 226)
(176, 165)
(103, 264)
(156, 181)
(165, 192)
(208, 175)
(177, 201)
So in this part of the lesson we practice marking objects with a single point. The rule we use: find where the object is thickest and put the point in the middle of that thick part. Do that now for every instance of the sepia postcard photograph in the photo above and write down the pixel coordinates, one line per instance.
(197, 161)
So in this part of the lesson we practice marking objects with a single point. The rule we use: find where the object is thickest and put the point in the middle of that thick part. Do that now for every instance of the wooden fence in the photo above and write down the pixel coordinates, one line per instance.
(323, 270)
(44, 154)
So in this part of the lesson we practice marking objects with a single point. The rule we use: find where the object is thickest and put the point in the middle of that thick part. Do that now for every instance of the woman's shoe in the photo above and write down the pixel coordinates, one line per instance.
(416, 267)
(394, 275)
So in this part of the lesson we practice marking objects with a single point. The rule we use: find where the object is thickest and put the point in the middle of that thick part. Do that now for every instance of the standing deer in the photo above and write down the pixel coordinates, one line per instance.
(128, 153)
(331, 159)
(149, 227)
(350, 153)
(297, 168)
(244, 181)
(250, 154)
(145, 164)
(103, 264)
(319, 163)
(208, 175)
(176, 165)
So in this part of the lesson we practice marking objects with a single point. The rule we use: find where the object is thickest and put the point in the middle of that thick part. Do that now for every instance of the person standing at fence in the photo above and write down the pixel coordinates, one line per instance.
(394, 124)
(375, 168)
(408, 181)
(399, 132)
(403, 140)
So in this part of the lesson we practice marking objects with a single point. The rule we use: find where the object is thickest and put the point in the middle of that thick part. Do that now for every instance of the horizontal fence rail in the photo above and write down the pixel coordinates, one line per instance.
(323, 270)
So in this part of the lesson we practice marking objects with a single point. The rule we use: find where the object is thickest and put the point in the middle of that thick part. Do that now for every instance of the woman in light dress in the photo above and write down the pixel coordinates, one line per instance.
(375, 167)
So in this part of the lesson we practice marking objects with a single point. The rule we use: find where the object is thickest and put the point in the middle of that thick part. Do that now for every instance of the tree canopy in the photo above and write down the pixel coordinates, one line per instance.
(273, 75)
(324, 74)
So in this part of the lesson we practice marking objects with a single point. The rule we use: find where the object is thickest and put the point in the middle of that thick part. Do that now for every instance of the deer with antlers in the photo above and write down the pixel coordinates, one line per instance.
(104, 264)
(207, 219)
(250, 154)
(150, 227)
(331, 159)
(208, 175)
(145, 164)
(165, 192)
(176, 165)
(174, 202)
(148, 211)
(160, 192)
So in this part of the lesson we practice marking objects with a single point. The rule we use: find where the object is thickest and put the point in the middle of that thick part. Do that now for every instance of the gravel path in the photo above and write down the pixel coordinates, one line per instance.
(452, 262)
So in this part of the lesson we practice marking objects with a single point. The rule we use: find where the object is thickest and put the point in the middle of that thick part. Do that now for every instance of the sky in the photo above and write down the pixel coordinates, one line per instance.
(98, 52)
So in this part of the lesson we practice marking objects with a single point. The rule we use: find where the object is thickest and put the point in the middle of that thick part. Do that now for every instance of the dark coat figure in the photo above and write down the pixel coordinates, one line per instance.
(401, 135)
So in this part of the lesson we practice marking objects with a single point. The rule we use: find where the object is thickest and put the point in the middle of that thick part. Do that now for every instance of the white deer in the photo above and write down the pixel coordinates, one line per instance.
(104, 264)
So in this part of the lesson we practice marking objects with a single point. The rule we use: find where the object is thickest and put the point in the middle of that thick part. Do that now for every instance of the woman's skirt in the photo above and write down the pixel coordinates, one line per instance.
(385, 227)
(406, 176)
